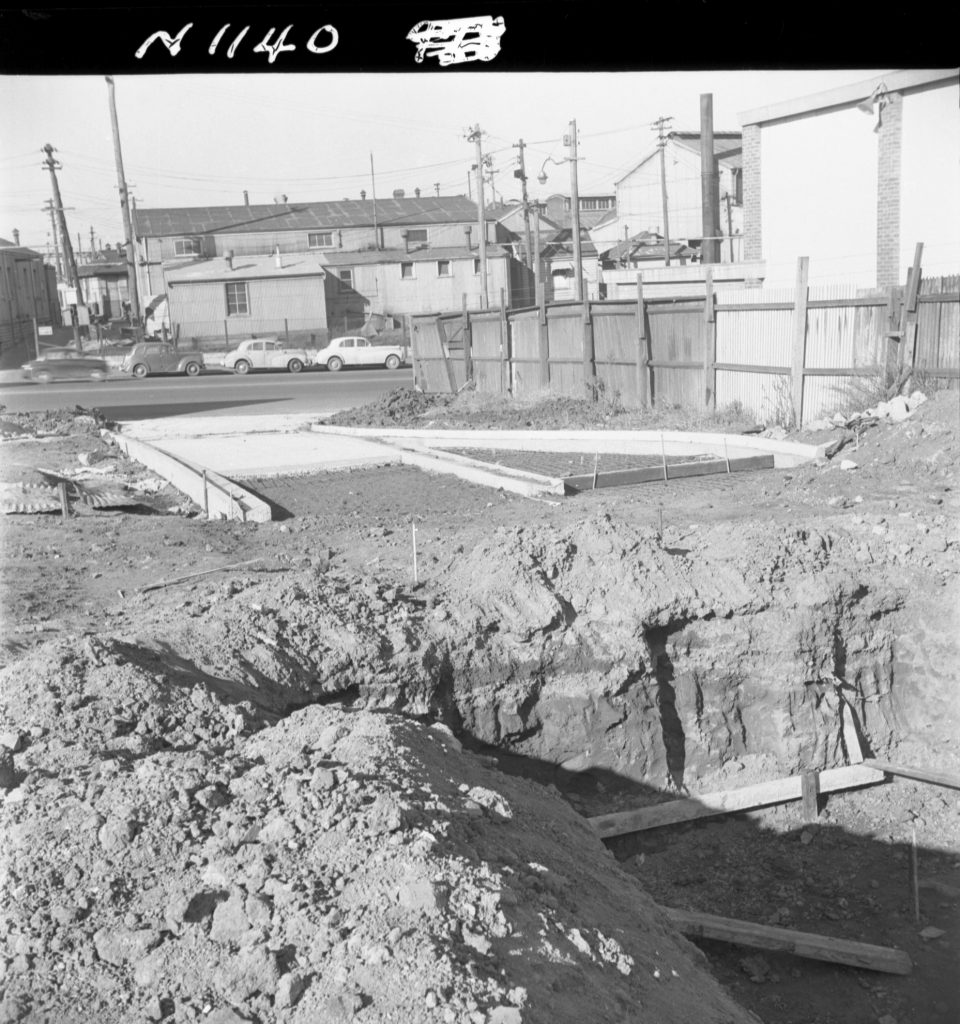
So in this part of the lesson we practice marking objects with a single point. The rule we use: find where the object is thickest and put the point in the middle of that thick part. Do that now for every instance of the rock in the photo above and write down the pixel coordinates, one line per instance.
(323, 779)
(226, 1015)
(8, 775)
(118, 946)
(230, 921)
(418, 894)
(289, 990)
(476, 940)
(898, 409)
(13, 740)
(930, 933)
(504, 1015)
(277, 831)
(848, 464)
(116, 833)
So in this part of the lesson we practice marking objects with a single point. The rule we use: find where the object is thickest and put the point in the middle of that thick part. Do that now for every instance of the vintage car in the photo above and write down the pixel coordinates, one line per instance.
(65, 364)
(148, 357)
(358, 351)
(266, 354)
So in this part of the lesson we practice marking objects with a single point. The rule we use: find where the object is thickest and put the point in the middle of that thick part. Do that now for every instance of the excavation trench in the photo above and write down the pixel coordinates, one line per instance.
(599, 650)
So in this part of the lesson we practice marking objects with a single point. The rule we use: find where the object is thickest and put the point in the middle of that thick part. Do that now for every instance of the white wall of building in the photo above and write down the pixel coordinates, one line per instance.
(930, 176)
(819, 186)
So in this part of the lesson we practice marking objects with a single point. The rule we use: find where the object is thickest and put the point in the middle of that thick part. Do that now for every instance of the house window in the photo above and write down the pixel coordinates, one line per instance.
(187, 247)
(238, 301)
(443, 268)
(406, 270)
(476, 266)
(346, 277)
(320, 239)
(417, 236)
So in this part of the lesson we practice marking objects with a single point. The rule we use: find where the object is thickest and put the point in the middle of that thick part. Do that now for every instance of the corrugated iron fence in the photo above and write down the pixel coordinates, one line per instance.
(786, 355)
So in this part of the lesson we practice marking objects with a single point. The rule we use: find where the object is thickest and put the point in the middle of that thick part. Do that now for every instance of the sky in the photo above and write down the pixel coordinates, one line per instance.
(201, 140)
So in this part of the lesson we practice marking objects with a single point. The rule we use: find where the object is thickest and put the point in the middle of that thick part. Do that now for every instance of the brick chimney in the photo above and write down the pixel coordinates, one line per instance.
(16, 237)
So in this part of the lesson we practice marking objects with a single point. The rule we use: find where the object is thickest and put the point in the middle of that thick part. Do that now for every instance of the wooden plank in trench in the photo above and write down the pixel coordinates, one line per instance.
(786, 940)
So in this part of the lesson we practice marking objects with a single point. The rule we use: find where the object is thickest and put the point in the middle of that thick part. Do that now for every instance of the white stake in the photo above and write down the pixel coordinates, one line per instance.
(416, 577)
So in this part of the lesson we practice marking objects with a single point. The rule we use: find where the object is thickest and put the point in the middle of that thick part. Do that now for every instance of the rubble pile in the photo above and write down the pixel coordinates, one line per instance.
(171, 856)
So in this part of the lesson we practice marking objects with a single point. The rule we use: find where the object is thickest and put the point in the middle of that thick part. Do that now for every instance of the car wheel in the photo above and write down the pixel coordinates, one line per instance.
(295, 365)
(191, 369)
(241, 366)
(141, 370)
(393, 363)
(334, 365)
(43, 377)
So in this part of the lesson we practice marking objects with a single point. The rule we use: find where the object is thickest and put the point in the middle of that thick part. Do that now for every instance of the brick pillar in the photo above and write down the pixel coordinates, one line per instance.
(752, 242)
(888, 191)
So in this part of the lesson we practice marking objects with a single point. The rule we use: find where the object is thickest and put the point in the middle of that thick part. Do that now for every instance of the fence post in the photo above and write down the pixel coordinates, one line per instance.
(908, 323)
(644, 384)
(286, 331)
(710, 345)
(892, 336)
(36, 337)
(799, 337)
(467, 342)
(589, 353)
(506, 363)
(543, 331)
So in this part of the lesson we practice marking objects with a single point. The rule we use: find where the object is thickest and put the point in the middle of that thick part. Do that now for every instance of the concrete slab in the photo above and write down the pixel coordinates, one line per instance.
(259, 446)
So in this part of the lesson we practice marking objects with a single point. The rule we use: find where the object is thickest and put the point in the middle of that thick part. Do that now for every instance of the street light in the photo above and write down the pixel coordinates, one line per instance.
(574, 203)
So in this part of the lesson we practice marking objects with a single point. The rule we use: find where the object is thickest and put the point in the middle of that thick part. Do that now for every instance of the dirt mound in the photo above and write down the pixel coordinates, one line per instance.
(338, 865)
(402, 407)
(58, 422)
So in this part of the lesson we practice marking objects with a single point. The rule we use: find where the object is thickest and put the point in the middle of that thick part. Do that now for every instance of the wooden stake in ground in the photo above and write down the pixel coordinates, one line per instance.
(64, 500)
(663, 453)
(915, 873)
(416, 577)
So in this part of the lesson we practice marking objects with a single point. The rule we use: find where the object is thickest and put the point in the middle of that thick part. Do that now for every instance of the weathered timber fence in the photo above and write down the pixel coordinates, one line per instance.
(786, 356)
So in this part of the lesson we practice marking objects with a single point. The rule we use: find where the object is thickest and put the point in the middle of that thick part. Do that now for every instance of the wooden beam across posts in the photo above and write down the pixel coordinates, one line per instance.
(730, 801)
(644, 390)
(785, 940)
(799, 337)
(917, 774)
(710, 345)
(442, 337)
(649, 474)
(543, 337)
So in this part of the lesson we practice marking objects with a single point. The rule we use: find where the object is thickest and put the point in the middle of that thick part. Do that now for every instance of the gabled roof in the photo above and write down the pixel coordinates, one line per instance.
(348, 213)
(727, 147)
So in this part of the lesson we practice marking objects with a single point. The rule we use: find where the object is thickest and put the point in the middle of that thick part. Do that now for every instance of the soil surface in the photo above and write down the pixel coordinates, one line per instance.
(231, 753)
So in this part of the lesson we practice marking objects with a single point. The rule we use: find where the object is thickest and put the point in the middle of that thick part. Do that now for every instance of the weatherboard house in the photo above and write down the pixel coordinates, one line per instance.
(392, 257)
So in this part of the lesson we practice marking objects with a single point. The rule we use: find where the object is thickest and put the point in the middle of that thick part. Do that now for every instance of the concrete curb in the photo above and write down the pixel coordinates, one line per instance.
(219, 497)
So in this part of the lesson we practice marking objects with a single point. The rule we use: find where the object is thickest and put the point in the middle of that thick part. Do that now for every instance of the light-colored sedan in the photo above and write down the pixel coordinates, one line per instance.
(266, 354)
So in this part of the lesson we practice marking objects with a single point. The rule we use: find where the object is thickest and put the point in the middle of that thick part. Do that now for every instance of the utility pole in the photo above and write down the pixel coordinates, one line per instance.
(93, 244)
(69, 263)
(475, 136)
(709, 185)
(61, 277)
(522, 175)
(726, 198)
(132, 289)
(373, 192)
(660, 124)
(436, 186)
(575, 203)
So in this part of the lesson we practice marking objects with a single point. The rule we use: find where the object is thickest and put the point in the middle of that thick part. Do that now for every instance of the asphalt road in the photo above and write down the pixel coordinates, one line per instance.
(266, 393)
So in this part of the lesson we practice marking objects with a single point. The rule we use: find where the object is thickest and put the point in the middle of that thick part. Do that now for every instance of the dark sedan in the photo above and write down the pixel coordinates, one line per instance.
(65, 364)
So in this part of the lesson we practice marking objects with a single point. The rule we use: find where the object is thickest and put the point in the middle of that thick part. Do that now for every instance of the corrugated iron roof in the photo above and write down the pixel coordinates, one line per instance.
(245, 268)
(348, 213)
(97, 269)
(370, 256)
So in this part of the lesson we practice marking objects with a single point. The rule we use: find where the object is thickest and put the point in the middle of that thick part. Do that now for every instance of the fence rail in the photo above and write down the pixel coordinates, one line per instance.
(789, 356)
